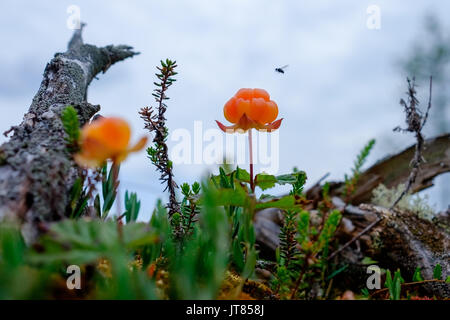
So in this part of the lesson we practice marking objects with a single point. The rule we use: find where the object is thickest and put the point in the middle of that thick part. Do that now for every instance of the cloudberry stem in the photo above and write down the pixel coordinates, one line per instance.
(252, 183)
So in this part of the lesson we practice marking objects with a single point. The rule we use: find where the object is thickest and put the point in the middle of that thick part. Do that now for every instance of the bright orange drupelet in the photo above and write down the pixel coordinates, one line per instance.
(251, 108)
(106, 138)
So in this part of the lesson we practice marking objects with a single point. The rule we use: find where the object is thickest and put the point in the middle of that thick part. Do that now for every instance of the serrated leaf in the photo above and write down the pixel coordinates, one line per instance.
(286, 202)
(286, 179)
(265, 181)
(242, 175)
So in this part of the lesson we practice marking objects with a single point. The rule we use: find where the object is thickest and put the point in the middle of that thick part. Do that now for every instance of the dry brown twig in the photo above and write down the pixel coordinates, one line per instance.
(415, 121)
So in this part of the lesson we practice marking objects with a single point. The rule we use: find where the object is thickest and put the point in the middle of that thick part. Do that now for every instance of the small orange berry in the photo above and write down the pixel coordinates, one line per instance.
(251, 108)
(106, 138)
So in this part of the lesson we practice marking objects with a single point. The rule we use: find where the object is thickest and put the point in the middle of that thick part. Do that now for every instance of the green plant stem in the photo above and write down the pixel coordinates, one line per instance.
(300, 278)
(250, 146)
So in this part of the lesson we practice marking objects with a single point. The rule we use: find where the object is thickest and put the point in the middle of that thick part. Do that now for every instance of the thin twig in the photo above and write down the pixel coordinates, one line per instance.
(408, 284)
(300, 278)
(370, 226)
(321, 179)
(415, 122)
(425, 118)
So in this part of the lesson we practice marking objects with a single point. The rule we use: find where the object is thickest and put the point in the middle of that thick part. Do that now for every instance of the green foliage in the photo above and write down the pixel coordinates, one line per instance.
(288, 242)
(298, 184)
(328, 230)
(189, 208)
(85, 241)
(197, 270)
(437, 272)
(132, 206)
(79, 198)
(71, 125)
(365, 293)
(109, 190)
(159, 224)
(244, 252)
(18, 279)
(417, 275)
(155, 122)
(234, 196)
(394, 284)
(263, 181)
(350, 182)
(302, 255)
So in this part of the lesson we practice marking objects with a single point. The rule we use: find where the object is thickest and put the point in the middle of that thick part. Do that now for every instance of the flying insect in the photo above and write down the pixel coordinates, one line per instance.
(281, 69)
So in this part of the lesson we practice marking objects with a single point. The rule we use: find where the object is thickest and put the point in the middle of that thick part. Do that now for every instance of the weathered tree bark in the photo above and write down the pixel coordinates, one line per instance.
(35, 168)
(405, 241)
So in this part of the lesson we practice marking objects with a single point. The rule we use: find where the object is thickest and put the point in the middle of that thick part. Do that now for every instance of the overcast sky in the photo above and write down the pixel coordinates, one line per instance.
(341, 88)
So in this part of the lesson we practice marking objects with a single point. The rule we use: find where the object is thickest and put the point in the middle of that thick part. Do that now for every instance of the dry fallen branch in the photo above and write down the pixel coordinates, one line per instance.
(396, 169)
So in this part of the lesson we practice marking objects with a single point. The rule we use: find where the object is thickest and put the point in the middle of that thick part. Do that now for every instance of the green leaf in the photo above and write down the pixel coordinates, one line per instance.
(368, 261)
(132, 206)
(286, 179)
(71, 125)
(394, 284)
(84, 241)
(12, 246)
(389, 284)
(398, 288)
(336, 272)
(350, 182)
(250, 263)
(238, 256)
(286, 202)
(303, 227)
(196, 188)
(447, 280)
(328, 229)
(233, 197)
(265, 181)
(242, 175)
(417, 275)
(437, 272)
(365, 292)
